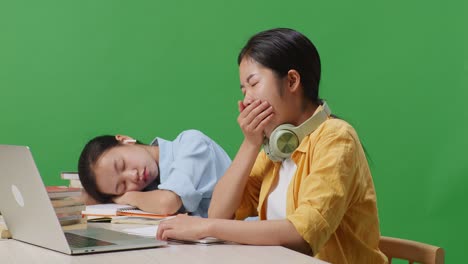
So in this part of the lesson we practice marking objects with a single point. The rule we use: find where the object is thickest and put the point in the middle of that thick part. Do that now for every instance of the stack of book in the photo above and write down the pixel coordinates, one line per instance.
(72, 177)
(68, 204)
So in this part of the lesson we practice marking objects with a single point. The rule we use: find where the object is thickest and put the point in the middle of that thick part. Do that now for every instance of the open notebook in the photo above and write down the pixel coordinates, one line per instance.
(112, 209)
(116, 211)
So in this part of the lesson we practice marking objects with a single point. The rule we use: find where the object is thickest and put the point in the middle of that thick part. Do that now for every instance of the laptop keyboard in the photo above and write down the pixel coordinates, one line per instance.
(78, 241)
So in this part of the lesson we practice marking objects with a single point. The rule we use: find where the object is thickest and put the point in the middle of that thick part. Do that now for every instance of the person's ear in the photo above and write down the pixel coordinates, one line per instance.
(294, 80)
(125, 139)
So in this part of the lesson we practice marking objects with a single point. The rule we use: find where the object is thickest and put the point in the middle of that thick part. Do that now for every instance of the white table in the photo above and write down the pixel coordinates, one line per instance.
(15, 252)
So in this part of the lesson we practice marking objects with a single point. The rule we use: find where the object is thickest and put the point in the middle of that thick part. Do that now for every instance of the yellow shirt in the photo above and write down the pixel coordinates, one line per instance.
(331, 200)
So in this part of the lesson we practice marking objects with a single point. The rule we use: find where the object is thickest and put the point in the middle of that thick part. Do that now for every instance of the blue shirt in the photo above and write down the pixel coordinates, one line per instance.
(190, 166)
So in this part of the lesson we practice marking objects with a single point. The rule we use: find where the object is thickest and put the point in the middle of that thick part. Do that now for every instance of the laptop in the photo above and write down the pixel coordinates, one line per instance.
(30, 216)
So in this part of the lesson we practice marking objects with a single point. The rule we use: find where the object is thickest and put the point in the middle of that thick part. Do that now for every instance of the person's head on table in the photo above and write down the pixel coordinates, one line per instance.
(316, 197)
(162, 177)
(110, 166)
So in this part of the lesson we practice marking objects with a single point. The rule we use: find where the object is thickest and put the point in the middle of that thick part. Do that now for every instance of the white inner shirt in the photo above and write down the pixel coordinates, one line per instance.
(276, 203)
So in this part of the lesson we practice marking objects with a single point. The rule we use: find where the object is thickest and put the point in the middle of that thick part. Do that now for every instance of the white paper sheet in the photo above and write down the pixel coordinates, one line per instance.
(149, 231)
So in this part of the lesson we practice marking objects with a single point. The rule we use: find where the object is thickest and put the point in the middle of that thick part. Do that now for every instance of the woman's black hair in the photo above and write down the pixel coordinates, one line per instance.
(90, 154)
(284, 49)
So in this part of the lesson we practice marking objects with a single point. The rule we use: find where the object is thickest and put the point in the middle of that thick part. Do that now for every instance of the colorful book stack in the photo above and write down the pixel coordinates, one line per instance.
(68, 204)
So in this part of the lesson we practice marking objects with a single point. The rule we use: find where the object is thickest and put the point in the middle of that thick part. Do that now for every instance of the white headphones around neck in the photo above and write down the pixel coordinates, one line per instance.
(286, 137)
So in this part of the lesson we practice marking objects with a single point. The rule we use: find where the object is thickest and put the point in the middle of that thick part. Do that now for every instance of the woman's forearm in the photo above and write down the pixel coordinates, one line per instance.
(268, 233)
(157, 201)
(228, 192)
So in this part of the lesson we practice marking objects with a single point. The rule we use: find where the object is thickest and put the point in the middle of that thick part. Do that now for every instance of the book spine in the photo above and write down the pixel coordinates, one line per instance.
(70, 209)
(57, 195)
(69, 175)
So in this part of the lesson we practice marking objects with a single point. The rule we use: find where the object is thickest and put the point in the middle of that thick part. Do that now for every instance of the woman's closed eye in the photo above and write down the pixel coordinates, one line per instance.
(122, 166)
(119, 166)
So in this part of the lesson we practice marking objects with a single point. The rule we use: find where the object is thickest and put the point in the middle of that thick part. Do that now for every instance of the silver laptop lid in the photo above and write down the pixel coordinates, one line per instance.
(24, 202)
(31, 218)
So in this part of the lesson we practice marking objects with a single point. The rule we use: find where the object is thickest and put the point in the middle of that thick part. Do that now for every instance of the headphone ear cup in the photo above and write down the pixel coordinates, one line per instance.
(286, 138)
(283, 141)
(267, 149)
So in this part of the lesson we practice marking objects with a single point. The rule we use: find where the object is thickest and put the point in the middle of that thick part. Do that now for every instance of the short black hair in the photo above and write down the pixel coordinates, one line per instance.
(88, 158)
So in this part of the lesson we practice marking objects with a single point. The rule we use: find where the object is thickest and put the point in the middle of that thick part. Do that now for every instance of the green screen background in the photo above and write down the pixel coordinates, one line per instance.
(397, 71)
